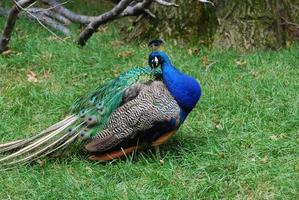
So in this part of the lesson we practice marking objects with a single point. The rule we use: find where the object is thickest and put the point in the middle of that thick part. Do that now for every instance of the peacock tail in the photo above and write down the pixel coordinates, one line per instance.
(88, 115)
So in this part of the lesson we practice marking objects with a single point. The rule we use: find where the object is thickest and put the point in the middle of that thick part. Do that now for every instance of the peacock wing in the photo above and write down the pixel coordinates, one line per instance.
(105, 99)
(143, 119)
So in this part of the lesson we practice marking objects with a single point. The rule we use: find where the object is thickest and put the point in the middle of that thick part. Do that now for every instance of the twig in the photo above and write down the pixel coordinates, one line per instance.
(10, 23)
(230, 11)
(166, 3)
(288, 22)
(55, 6)
(75, 18)
(39, 21)
(137, 9)
(206, 1)
(47, 17)
(102, 19)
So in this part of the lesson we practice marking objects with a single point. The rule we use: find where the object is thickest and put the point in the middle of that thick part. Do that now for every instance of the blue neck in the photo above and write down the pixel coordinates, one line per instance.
(185, 89)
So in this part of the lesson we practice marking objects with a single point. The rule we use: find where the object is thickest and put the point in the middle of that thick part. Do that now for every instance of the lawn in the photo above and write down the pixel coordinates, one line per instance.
(240, 142)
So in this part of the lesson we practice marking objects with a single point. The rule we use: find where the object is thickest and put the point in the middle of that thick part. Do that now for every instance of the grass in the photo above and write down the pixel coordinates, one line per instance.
(241, 141)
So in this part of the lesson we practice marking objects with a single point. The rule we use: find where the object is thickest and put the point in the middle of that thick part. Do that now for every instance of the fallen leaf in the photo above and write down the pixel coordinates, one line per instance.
(117, 43)
(205, 61)
(273, 137)
(103, 29)
(240, 62)
(31, 77)
(162, 162)
(126, 54)
(264, 160)
(88, 169)
(219, 126)
(41, 162)
(46, 74)
(277, 137)
(7, 52)
(255, 74)
(115, 73)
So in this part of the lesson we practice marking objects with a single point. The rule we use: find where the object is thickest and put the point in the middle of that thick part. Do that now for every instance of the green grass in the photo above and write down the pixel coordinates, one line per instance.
(240, 142)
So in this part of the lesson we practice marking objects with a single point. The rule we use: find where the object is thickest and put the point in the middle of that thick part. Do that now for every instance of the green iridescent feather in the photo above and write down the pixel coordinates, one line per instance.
(105, 99)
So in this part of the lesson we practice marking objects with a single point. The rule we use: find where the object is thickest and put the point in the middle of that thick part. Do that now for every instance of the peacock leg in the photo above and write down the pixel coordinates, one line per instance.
(158, 153)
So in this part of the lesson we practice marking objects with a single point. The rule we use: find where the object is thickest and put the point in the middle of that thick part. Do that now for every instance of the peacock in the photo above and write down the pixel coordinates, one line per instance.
(140, 108)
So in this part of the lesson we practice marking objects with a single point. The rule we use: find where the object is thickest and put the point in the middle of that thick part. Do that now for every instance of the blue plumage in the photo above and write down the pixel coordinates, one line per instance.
(185, 89)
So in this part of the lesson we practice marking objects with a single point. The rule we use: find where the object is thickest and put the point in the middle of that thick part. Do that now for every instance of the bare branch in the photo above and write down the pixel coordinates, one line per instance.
(288, 22)
(102, 19)
(48, 13)
(40, 20)
(10, 23)
(137, 9)
(57, 16)
(147, 11)
(46, 20)
(44, 16)
(206, 1)
(166, 3)
(75, 18)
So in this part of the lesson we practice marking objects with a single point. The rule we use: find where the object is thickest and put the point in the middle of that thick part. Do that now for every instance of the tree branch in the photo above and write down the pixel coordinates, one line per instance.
(102, 19)
(44, 16)
(137, 9)
(11, 21)
(166, 3)
(57, 16)
(75, 18)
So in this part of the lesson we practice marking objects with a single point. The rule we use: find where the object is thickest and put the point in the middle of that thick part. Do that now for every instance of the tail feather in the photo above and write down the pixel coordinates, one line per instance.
(14, 145)
(38, 153)
(39, 141)
(8, 144)
(49, 141)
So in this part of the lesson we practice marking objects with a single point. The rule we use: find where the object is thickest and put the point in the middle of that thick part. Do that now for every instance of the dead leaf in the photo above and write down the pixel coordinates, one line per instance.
(7, 52)
(162, 162)
(31, 77)
(88, 169)
(117, 43)
(274, 137)
(46, 74)
(103, 29)
(277, 137)
(41, 162)
(240, 62)
(255, 74)
(264, 160)
(206, 63)
(115, 73)
(219, 126)
(126, 54)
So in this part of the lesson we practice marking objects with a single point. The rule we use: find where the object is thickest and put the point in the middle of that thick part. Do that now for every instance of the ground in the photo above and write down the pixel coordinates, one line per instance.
(240, 142)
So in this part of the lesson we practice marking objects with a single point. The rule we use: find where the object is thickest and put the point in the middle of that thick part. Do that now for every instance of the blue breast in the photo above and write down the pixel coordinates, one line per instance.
(185, 89)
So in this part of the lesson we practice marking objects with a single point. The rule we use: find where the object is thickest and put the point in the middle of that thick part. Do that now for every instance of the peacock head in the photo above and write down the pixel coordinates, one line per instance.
(157, 57)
